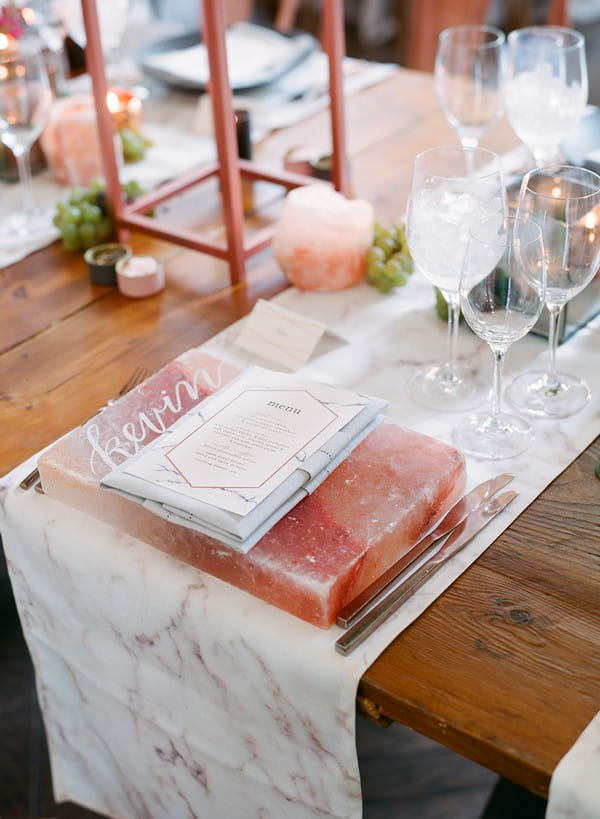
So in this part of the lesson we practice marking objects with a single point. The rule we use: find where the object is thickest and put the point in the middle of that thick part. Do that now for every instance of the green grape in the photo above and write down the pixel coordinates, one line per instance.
(378, 231)
(389, 263)
(77, 196)
(91, 213)
(441, 305)
(104, 229)
(72, 215)
(376, 254)
(88, 235)
(134, 144)
(386, 243)
(69, 233)
(71, 245)
(132, 189)
(82, 218)
(405, 260)
(375, 272)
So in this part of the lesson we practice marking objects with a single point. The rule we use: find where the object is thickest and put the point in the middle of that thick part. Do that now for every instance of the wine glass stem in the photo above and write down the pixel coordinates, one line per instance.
(24, 170)
(497, 382)
(554, 311)
(453, 321)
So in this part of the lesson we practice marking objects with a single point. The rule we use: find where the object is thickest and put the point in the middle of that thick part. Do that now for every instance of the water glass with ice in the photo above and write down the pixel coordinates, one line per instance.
(452, 189)
(545, 87)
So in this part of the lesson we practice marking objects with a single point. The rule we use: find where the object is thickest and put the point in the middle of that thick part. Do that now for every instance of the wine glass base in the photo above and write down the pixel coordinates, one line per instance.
(445, 389)
(493, 436)
(22, 225)
(530, 393)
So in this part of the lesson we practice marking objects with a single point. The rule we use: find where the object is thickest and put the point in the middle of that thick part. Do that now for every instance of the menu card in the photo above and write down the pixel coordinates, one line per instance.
(238, 461)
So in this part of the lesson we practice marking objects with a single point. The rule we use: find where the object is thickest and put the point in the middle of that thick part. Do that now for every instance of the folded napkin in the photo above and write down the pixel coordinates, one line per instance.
(239, 461)
(15, 246)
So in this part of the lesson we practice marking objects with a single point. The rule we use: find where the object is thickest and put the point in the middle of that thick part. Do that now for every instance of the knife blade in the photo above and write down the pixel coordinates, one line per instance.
(453, 518)
(456, 541)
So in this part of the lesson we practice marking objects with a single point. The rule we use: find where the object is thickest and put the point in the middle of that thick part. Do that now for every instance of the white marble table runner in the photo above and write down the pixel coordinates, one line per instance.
(168, 693)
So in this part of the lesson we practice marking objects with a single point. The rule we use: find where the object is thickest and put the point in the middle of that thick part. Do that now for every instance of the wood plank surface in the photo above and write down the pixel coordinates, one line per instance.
(505, 666)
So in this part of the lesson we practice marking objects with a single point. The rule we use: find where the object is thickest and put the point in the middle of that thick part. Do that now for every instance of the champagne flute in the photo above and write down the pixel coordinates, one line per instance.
(502, 290)
(565, 202)
(25, 100)
(452, 189)
(545, 87)
(468, 68)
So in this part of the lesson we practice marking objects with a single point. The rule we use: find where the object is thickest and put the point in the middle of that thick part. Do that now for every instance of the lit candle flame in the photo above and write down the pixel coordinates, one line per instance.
(112, 101)
(29, 15)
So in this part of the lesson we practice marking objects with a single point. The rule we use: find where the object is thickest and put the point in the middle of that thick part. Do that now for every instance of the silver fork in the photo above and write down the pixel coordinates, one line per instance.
(137, 376)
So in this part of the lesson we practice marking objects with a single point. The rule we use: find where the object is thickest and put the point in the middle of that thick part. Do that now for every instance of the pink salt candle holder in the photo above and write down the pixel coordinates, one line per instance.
(140, 276)
(126, 109)
(322, 238)
(71, 144)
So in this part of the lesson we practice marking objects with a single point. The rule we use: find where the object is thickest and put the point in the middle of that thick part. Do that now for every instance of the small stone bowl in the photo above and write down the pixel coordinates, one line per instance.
(102, 261)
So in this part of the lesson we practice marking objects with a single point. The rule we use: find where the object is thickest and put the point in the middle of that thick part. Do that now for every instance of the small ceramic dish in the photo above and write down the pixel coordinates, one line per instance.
(140, 276)
(102, 260)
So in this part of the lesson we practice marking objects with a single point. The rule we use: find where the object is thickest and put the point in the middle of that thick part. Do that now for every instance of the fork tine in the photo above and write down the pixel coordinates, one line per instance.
(138, 375)
(130, 383)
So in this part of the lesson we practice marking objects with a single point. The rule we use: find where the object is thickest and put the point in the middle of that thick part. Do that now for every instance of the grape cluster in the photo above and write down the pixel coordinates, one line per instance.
(389, 263)
(134, 144)
(83, 220)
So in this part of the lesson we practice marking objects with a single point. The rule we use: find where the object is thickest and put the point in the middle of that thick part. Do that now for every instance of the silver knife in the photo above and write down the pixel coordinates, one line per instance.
(453, 518)
(456, 541)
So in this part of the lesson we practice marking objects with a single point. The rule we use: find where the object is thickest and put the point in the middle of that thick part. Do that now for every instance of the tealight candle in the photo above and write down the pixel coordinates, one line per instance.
(125, 108)
(140, 276)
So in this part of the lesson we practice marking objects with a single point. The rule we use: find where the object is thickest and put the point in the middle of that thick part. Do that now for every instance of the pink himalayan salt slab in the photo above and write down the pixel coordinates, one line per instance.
(367, 513)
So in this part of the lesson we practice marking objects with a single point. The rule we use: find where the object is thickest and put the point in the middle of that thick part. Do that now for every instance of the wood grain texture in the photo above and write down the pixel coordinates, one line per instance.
(505, 666)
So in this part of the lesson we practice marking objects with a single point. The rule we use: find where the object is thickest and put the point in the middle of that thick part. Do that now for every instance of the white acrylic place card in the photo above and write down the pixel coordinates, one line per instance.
(280, 335)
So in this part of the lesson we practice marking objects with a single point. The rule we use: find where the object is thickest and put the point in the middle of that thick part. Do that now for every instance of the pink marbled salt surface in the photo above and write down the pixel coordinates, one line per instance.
(367, 513)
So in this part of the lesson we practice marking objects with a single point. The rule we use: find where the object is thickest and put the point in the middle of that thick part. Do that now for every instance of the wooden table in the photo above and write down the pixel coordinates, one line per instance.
(505, 667)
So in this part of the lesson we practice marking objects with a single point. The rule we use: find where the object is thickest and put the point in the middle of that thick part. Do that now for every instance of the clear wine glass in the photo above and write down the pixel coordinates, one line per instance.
(565, 202)
(452, 189)
(545, 87)
(502, 290)
(468, 72)
(113, 18)
(25, 100)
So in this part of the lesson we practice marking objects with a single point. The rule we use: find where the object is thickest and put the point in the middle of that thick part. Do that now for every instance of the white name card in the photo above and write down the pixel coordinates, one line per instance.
(280, 335)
